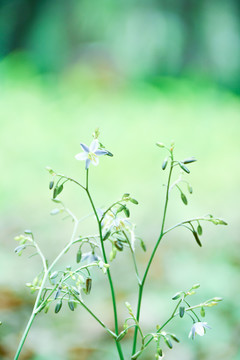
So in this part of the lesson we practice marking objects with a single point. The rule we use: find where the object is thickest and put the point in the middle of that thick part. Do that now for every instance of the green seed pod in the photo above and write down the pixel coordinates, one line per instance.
(189, 161)
(58, 306)
(79, 256)
(143, 246)
(181, 311)
(184, 168)
(196, 286)
(119, 245)
(199, 230)
(159, 352)
(29, 232)
(168, 342)
(106, 236)
(55, 192)
(134, 201)
(71, 305)
(54, 275)
(113, 253)
(126, 212)
(88, 285)
(60, 189)
(121, 335)
(184, 199)
(46, 308)
(173, 336)
(164, 164)
(202, 312)
(159, 144)
(197, 238)
(51, 184)
(190, 189)
(177, 296)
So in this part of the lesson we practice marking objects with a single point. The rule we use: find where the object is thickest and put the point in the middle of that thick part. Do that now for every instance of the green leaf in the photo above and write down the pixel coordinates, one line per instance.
(159, 144)
(164, 164)
(199, 230)
(197, 238)
(58, 306)
(184, 198)
(183, 167)
(181, 311)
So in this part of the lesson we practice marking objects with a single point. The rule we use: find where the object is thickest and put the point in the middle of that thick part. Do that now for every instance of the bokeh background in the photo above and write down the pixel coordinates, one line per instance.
(142, 71)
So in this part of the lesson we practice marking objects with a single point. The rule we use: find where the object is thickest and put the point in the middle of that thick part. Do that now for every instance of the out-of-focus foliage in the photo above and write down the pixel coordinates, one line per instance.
(137, 39)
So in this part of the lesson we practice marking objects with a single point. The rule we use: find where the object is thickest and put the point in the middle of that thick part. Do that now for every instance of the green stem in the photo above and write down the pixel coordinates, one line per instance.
(118, 345)
(95, 316)
(133, 257)
(36, 307)
(141, 286)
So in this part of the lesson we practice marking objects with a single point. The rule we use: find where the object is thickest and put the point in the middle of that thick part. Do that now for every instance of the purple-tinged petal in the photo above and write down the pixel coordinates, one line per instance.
(81, 156)
(85, 148)
(101, 152)
(94, 145)
(87, 163)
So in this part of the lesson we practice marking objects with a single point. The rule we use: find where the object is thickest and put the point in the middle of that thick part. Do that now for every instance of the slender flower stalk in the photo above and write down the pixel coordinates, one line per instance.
(66, 285)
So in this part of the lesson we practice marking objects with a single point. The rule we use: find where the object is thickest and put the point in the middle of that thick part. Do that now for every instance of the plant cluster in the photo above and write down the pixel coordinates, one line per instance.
(69, 286)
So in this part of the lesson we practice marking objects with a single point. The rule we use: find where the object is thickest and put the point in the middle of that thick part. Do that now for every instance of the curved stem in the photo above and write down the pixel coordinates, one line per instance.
(36, 307)
(133, 257)
(141, 286)
(108, 271)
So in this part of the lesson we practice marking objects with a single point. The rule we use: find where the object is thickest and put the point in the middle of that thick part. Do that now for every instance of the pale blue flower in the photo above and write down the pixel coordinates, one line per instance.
(198, 328)
(90, 154)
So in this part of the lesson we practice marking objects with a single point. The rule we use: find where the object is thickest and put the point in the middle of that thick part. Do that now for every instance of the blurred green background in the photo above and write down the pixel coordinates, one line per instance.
(141, 71)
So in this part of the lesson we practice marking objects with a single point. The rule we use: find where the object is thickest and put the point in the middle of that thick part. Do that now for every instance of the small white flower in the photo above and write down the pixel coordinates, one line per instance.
(91, 153)
(198, 328)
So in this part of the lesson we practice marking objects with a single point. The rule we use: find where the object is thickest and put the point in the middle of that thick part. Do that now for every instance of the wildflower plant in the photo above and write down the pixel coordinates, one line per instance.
(68, 286)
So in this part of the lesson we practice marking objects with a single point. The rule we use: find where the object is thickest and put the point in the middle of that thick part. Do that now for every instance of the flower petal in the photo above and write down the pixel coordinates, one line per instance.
(101, 152)
(94, 145)
(87, 163)
(81, 156)
(200, 330)
(85, 148)
(95, 161)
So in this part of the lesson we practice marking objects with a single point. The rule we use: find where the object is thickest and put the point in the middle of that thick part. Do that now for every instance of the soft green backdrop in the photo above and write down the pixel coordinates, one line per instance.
(53, 94)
